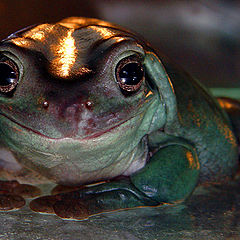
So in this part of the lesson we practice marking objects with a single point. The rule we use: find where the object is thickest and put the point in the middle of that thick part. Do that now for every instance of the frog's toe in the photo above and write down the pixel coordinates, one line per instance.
(8, 185)
(71, 209)
(66, 207)
(11, 202)
(44, 204)
(27, 191)
(63, 189)
(24, 190)
(12, 194)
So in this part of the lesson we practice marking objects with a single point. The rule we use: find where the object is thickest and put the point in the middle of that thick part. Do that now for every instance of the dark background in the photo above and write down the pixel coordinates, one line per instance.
(202, 36)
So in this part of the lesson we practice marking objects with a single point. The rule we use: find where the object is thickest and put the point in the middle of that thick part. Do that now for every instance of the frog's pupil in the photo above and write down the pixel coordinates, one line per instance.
(131, 74)
(7, 75)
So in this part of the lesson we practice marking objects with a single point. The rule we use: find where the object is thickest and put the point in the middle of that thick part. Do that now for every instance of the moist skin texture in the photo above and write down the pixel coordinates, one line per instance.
(71, 114)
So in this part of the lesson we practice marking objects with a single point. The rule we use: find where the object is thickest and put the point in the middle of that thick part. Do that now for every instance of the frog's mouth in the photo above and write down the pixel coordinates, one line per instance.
(22, 126)
(87, 137)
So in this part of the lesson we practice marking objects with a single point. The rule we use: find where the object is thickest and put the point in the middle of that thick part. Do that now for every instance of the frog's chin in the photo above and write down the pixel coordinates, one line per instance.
(102, 155)
(94, 135)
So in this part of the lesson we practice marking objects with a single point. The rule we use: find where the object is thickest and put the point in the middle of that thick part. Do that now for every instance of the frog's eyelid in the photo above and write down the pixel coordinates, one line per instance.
(111, 40)
(15, 59)
(114, 44)
(11, 56)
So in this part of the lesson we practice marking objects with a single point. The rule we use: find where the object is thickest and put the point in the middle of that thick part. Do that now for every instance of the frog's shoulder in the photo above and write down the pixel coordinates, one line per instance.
(194, 101)
(203, 123)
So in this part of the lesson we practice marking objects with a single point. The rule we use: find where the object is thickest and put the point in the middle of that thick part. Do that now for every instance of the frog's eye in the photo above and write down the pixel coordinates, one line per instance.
(130, 74)
(9, 75)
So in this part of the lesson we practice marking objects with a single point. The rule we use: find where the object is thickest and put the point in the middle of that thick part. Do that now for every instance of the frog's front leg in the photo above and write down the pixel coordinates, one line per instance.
(170, 176)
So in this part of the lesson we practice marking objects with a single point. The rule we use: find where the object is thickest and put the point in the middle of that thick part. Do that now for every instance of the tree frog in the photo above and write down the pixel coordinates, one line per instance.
(84, 102)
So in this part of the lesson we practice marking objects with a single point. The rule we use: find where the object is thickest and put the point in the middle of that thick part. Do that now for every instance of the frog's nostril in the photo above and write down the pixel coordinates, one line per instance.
(45, 104)
(89, 105)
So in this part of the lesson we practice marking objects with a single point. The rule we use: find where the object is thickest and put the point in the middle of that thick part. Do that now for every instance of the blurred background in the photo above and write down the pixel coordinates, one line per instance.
(202, 36)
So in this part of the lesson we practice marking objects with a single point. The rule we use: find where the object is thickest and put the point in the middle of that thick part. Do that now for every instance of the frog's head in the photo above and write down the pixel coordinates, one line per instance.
(78, 96)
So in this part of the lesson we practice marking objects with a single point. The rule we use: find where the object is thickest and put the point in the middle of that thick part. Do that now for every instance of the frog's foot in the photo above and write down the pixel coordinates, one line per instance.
(63, 206)
(64, 189)
(85, 202)
(12, 194)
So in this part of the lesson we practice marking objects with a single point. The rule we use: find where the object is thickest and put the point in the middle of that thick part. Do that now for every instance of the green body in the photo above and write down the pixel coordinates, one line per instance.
(68, 119)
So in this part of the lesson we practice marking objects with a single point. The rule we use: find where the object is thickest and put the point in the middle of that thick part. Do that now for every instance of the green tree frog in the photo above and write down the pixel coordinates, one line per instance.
(84, 102)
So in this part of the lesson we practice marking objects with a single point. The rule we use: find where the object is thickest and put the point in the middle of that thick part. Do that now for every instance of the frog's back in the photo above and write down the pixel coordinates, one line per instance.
(206, 125)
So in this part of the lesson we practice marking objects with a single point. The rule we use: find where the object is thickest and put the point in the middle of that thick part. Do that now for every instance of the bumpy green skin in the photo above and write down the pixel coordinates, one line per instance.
(151, 147)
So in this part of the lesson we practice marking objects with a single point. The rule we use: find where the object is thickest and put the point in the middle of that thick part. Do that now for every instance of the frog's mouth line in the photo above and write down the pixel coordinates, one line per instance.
(89, 137)
(24, 127)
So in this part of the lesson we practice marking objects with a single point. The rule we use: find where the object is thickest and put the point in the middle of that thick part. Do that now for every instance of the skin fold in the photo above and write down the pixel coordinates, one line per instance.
(91, 102)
